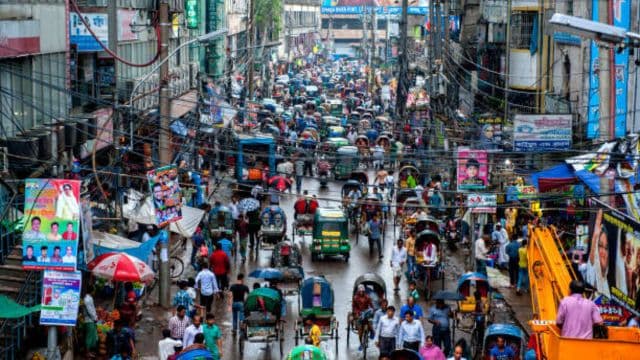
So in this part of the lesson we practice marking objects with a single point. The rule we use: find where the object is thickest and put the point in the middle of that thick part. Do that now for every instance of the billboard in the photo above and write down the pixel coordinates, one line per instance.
(165, 189)
(621, 18)
(542, 132)
(472, 169)
(482, 203)
(60, 298)
(80, 35)
(613, 262)
(489, 132)
(357, 7)
(50, 237)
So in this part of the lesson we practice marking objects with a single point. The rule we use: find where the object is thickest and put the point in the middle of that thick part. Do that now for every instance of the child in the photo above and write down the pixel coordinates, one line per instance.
(314, 331)
(413, 291)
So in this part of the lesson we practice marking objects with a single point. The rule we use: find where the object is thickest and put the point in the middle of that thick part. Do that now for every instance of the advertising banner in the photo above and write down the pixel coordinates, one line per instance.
(525, 192)
(490, 133)
(357, 7)
(472, 169)
(50, 237)
(60, 298)
(621, 18)
(613, 263)
(79, 34)
(482, 203)
(542, 132)
(165, 189)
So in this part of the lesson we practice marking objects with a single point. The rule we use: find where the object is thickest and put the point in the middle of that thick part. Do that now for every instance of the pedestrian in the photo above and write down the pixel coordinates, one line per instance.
(512, 253)
(576, 314)
(299, 170)
(410, 245)
(375, 229)
(413, 291)
(439, 315)
(179, 322)
(413, 308)
(177, 350)
(197, 240)
(398, 259)
(239, 291)
(183, 298)
(121, 339)
(197, 350)
(500, 351)
(90, 320)
(235, 213)
(207, 283)
(243, 236)
(431, 351)
(254, 228)
(212, 336)
(378, 314)
(226, 245)
(411, 333)
(191, 331)
(458, 352)
(166, 345)
(523, 268)
(387, 331)
(498, 236)
(221, 266)
(481, 254)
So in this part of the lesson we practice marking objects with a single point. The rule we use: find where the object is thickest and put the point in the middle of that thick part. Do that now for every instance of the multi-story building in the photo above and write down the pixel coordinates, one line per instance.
(301, 29)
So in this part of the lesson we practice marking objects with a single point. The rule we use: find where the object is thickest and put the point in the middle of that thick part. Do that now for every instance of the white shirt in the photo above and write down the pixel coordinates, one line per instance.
(90, 308)
(68, 259)
(207, 283)
(452, 358)
(165, 348)
(411, 332)
(235, 214)
(481, 250)
(430, 258)
(387, 328)
(398, 256)
(190, 334)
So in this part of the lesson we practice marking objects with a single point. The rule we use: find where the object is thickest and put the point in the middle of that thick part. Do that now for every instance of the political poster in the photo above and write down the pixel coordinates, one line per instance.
(60, 297)
(490, 133)
(50, 237)
(472, 169)
(612, 266)
(167, 198)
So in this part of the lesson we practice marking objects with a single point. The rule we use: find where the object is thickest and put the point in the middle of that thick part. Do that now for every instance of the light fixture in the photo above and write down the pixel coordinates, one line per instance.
(588, 29)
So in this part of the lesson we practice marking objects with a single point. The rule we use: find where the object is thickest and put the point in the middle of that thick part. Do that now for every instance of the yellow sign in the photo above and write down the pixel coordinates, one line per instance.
(333, 214)
(535, 207)
(330, 233)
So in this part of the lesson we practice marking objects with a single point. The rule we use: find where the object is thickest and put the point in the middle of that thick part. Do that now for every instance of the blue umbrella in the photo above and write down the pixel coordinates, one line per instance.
(267, 274)
(248, 204)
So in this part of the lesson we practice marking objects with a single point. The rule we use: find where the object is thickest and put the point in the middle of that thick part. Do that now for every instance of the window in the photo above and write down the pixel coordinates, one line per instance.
(522, 27)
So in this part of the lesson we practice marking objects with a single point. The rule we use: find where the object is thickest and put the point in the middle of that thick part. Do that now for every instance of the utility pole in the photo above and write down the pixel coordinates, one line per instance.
(251, 32)
(607, 114)
(163, 141)
(432, 45)
(403, 81)
(372, 54)
(365, 37)
(506, 64)
(386, 39)
(229, 90)
(112, 11)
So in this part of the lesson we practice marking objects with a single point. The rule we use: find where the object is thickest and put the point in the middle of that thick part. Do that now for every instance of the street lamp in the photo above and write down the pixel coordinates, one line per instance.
(588, 29)
(200, 39)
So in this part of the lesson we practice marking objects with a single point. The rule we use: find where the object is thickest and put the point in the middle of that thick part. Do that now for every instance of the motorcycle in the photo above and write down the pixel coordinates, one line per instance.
(323, 170)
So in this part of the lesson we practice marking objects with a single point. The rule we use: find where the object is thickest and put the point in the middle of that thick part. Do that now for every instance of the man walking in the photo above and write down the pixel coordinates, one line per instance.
(208, 285)
(523, 268)
(398, 259)
(387, 330)
(238, 293)
(178, 323)
(439, 316)
(499, 236)
(512, 253)
(299, 169)
(481, 254)
(375, 229)
(191, 331)
(411, 333)
(220, 265)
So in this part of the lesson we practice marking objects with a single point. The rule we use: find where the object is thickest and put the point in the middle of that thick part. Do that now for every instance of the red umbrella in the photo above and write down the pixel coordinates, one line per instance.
(281, 183)
(120, 267)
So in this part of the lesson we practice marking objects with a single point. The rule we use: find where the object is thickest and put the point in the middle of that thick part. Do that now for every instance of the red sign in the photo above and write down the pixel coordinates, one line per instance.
(19, 37)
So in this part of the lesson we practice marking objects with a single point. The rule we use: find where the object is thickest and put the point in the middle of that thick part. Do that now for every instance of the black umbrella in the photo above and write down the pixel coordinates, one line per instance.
(447, 295)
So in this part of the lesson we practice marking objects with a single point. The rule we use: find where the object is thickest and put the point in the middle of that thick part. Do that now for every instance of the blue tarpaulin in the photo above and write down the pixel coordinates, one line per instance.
(142, 252)
(553, 177)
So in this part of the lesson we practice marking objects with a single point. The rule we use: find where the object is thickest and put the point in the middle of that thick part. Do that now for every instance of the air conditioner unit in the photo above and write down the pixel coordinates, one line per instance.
(4, 160)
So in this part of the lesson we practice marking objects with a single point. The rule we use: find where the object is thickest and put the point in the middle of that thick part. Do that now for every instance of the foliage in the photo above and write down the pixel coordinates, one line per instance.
(268, 15)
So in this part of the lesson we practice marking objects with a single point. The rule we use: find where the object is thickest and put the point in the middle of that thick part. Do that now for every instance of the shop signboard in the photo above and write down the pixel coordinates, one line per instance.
(358, 7)
(472, 169)
(621, 19)
(525, 192)
(165, 189)
(541, 132)
(80, 35)
(191, 13)
(60, 298)
(482, 203)
(614, 256)
(50, 237)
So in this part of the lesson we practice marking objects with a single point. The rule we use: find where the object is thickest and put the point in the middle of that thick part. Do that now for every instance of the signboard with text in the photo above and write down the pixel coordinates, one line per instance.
(165, 189)
(542, 132)
(60, 298)
(482, 203)
(80, 35)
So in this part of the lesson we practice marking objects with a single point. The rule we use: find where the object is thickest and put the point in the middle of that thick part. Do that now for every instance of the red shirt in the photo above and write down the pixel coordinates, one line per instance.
(219, 262)
(300, 206)
(313, 205)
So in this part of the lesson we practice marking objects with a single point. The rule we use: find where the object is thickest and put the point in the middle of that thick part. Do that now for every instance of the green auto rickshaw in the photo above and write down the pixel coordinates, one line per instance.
(306, 352)
(347, 160)
(335, 107)
(330, 234)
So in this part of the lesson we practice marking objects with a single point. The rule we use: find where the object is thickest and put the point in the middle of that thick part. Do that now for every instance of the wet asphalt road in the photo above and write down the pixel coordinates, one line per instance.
(341, 275)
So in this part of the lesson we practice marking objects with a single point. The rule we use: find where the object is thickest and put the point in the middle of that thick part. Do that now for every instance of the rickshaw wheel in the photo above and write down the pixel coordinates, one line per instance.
(281, 340)
(241, 344)
(346, 257)
(337, 327)
(348, 328)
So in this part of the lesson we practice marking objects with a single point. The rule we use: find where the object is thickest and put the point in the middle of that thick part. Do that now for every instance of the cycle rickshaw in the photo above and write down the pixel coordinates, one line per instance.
(376, 289)
(287, 258)
(428, 261)
(220, 222)
(350, 205)
(513, 338)
(316, 298)
(273, 227)
(401, 196)
(303, 221)
(473, 311)
(262, 323)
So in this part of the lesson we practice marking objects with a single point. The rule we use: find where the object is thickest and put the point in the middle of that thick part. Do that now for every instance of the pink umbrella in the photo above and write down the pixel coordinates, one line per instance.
(120, 267)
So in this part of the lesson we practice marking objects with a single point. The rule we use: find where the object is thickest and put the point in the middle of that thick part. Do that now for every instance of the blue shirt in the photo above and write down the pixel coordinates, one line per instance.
(440, 315)
(226, 245)
(374, 229)
(417, 311)
(506, 353)
(182, 298)
(512, 250)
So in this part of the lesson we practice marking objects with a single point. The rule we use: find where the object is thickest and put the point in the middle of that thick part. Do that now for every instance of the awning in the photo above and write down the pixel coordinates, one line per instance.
(185, 103)
(553, 178)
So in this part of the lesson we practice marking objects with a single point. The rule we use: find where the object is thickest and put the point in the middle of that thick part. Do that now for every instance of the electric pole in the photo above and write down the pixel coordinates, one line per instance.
(403, 81)
(163, 141)
(374, 49)
(607, 104)
(432, 46)
(365, 37)
(251, 40)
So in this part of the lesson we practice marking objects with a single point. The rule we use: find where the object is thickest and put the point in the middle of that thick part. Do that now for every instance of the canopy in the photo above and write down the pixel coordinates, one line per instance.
(105, 243)
(504, 330)
(472, 276)
(141, 210)
(270, 297)
(553, 178)
(306, 352)
(13, 310)
(120, 267)
(307, 292)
